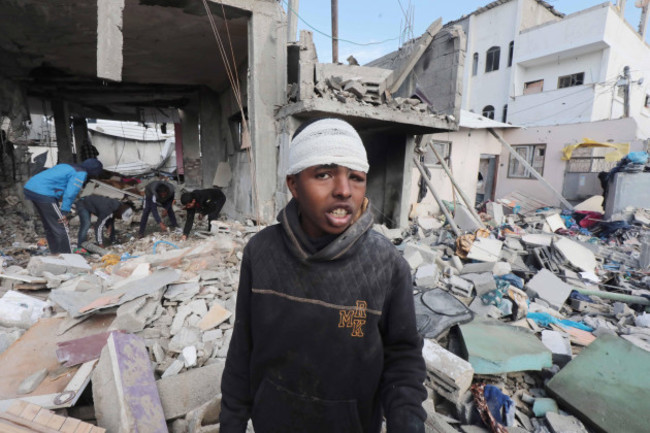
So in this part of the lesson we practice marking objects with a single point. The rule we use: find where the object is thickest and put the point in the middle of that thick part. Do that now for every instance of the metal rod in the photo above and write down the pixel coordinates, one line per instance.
(455, 185)
(530, 168)
(442, 206)
(335, 31)
(630, 299)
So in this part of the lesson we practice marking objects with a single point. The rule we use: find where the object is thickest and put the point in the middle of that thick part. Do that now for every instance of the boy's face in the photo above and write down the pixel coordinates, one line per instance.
(329, 197)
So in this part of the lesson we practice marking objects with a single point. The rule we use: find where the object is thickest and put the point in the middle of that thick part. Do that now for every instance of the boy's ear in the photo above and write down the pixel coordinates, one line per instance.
(292, 180)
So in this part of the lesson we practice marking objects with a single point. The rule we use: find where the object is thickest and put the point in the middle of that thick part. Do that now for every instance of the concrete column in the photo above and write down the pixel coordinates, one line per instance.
(80, 131)
(401, 216)
(292, 19)
(191, 146)
(62, 127)
(213, 147)
(110, 39)
(267, 60)
(178, 141)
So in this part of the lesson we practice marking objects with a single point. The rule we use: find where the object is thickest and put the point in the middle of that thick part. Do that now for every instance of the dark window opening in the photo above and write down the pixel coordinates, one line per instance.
(492, 59)
(504, 117)
(533, 154)
(488, 111)
(511, 52)
(571, 80)
(475, 64)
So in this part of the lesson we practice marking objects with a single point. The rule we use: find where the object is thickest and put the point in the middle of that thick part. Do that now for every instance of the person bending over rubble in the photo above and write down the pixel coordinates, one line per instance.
(106, 209)
(61, 182)
(158, 193)
(325, 338)
(206, 201)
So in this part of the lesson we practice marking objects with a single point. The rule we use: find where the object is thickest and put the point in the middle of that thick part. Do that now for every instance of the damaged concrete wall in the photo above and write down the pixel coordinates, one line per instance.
(467, 145)
(439, 73)
(13, 103)
(556, 138)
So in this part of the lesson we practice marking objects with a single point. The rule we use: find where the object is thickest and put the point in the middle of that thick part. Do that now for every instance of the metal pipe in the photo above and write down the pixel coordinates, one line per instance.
(335, 31)
(442, 206)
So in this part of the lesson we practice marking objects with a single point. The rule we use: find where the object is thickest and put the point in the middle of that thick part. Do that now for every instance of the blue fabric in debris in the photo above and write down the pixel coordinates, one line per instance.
(579, 296)
(501, 406)
(512, 279)
(545, 319)
(638, 157)
(495, 297)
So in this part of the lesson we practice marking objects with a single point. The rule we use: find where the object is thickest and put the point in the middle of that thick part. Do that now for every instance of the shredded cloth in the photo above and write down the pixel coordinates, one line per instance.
(478, 391)
(327, 141)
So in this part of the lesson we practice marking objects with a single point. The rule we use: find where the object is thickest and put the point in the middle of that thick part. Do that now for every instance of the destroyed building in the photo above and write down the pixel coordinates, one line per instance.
(534, 317)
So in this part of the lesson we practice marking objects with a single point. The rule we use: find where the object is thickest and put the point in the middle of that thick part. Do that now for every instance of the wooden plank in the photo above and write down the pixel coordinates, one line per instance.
(70, 425)
(30, 425)
(56, 421)
(9, 427)
(43, 417)
(96, 429)
(30, 411)
(84, 427)
(17, 407)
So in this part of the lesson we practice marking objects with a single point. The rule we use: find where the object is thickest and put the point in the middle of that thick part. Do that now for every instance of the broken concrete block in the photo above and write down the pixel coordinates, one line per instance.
(214, 317)
(449, 375)
(538, 239)
(543, 405)
(465, 220)
(124, 390)
(483, 282)
(19, 310)
(64, 263)
(205, 418)
(577, 255)
(564, 423)
(187, 336)
(495, 210)
(8, 336)
(485, 250)
(560, 346)
(189, 356)
(31, 382)
(459, 286)
(182, 292)
(605, 376)
(555, 222)
(550, 288)
(181, 393)
(134, 315)
(174, 368)
(428, 255)
(494, 347)
(429, 223)
(427, 275)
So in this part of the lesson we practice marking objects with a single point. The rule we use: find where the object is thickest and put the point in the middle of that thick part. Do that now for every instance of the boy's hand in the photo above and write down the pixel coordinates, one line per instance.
(183, 238)
(64, 220)
(163, 227)
(164, 212)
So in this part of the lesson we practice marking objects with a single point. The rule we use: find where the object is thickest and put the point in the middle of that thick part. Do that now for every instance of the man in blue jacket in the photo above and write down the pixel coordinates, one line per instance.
(61, 182)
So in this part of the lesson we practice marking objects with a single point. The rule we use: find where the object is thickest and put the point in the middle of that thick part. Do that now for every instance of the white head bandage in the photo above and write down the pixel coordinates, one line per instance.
(327, 141)
(127, 214)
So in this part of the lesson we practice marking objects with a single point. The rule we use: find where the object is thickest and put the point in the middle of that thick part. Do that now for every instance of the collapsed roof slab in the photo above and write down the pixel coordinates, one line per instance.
(366, 117)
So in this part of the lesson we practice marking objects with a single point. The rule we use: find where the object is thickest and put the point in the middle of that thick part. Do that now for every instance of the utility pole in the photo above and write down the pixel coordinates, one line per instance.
(292, 22)
(335, 31)
(643, 22)
(626, 91)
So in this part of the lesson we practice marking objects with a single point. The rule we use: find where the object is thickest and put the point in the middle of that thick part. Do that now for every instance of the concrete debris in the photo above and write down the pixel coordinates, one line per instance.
(31, 382)
(534, 294)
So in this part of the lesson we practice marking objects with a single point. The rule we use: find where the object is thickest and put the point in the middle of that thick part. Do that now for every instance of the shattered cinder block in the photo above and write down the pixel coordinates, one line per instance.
(64, 263)
(460, 287)
(550, 288)
(449, 375)
(427, 275)
(485, 250)
(181, 393)
(483, 282)
(428, 255)
(124, 389)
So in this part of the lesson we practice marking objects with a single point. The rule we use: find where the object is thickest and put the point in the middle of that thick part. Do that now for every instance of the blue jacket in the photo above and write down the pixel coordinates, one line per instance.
(63, 181)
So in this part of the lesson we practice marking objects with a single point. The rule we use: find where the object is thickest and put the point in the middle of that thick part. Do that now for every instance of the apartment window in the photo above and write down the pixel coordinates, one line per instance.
(488, 111)
(590, 160)
(571, 80)
(533, 154)
(646, 104)
(531, 87)
(492, 59)
(504, 116)
(475, 64)
(511, 52)
(444, 150)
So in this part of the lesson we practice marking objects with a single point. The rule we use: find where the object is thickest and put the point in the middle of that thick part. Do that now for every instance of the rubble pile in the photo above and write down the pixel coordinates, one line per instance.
(523, 315)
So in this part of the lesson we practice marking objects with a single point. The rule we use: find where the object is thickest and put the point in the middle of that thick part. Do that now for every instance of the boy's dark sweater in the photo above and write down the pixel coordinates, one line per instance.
(323, 340)
(99, 206)
(208, 201)
(150, 191)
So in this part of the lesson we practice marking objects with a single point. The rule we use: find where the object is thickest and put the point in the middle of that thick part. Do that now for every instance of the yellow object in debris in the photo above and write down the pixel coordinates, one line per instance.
(110, 259)
(619, 150)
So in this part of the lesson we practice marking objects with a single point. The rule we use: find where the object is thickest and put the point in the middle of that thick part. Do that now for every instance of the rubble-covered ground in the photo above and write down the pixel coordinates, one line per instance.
(534, 322)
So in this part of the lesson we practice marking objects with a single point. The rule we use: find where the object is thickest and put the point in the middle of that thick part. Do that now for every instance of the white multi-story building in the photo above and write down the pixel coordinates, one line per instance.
(558, 80)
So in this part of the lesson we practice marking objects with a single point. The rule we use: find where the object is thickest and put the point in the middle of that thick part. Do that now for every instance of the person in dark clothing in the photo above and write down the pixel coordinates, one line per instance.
(106, 209)
(7, 149)
(158, 193)
(325, 338)
(206, 201)
(87, 150)
(61, 182)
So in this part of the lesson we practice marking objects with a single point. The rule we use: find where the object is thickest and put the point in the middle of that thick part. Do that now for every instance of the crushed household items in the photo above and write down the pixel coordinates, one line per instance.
(533, 318)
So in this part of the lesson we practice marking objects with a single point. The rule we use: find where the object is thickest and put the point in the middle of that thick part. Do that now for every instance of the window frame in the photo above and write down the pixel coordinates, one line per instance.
(475, 65)
(528, 87)
(504, 114)
(492, 59)
(429, 157)
(576, 79)
(578, 156)
(488, 109)
(531, 151)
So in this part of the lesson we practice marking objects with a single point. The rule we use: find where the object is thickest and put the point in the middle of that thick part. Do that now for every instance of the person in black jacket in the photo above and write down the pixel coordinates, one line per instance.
(206, 201)
(325, 339)
(158, 193)
(106, 209)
